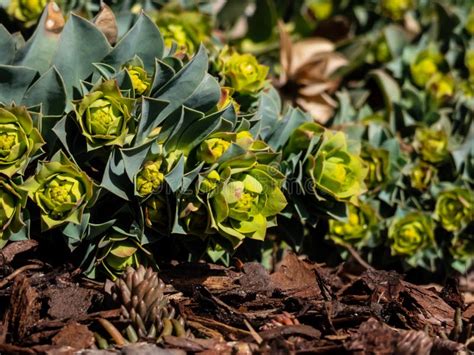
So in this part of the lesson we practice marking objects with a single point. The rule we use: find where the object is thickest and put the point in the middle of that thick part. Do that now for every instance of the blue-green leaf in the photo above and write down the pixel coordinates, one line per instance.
(39, 51)
(143, 40)
(48, 91)
(81, 44)
(14, 81)
(7, 46)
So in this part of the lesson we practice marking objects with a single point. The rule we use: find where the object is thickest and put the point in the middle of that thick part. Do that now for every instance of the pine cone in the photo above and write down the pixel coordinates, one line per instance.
(141, 296)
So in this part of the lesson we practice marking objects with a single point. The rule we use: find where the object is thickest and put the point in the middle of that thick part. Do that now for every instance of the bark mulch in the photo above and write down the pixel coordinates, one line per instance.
(302, 307)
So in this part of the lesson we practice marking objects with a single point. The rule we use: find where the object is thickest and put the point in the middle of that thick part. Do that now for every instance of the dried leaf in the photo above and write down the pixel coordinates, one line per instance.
(105, 21)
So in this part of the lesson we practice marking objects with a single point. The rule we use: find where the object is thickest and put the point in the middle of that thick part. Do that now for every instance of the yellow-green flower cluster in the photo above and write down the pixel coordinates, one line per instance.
(421, 175)
(425, 66)
(118, 250)
(242, 72)
(26, 11)
(140, 80)
(104, 115)
(150, 178)
(19, 140)
(359, 226)
(61, 190)
(455, 209)
(411, 234)
(396, 9)
(320, 9)
(432, 144)
(335, 170)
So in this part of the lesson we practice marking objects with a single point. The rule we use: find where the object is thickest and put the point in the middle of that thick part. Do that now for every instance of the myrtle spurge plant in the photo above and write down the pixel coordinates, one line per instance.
(150, 139)
(116, 149)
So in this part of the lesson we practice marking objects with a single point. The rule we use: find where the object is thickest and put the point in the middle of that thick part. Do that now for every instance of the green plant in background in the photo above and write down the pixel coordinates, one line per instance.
(26, 11)
(411, 235)
(242, 72)
(361, 226)
(454, 209)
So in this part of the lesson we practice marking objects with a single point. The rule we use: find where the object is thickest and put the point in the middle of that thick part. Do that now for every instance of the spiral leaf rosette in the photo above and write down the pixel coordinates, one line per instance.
(241, 193)
(118, 250)
(19, 140)
(187, 29)
(377, 161)
(104, 115)
(411, 234)
(61, 191)
(432, 145)
(422, 175)
(455, 209)
(12, 201)
(361, 224)
(26, 11)
(242, 72)
(335, 170)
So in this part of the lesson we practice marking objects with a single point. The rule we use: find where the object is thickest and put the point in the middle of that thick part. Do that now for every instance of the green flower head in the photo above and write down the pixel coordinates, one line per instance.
(441, 87)
(410, 234)
(431, 144)
(150, 178)
(455, 209)
(177, 34)
(425, 66)
(61, 191)
(336, 171)
(12, 201)
(19, 140)
(320, 9)
(211, 149)
(247, 202)
(210, 182)
(26, 11)
(186, 28)
(242, 72)
(378, 164)
(361, 222)
(421, 175)
(117, 251)
(104, 115)
(140, 79)
(396, 9)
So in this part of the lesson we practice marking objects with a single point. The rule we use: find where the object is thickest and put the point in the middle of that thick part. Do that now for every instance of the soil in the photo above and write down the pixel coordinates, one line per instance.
(302, 307)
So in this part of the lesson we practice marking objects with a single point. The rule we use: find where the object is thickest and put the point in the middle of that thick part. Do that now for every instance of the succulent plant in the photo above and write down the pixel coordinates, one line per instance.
(104, 115)
(242, 72)
(455, 209)
(13, 201)
(411, 234)
(61, 191)
(141, 296)
(19, 140)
